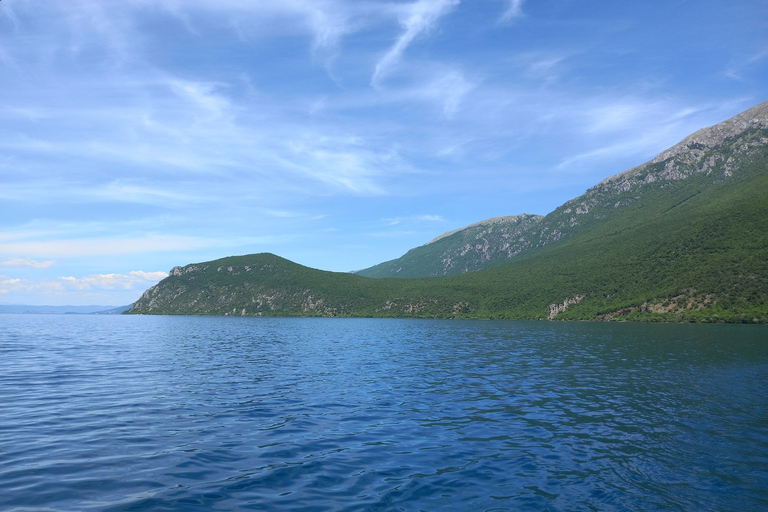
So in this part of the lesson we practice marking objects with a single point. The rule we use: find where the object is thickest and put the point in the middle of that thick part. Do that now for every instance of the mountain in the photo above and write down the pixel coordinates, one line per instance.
(680, 238)
(480, 245)
(495, 241)
(114, 311)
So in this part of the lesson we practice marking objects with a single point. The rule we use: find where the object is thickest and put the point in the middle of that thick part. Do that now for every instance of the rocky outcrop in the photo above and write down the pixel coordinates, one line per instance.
(556, 309)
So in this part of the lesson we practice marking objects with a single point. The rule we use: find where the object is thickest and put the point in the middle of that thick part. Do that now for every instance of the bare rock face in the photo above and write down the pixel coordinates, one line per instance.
(556, 309)
(483, 242)
(689, 155)
(707, 138)
(180, 271)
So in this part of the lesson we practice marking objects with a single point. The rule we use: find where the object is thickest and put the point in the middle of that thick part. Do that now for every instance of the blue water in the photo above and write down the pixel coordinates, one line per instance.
(198, 413)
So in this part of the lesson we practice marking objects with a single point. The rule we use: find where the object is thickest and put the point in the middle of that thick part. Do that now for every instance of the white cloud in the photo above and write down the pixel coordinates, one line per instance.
(417, 18)
(132, 280)
(7, 285)
(26, 262)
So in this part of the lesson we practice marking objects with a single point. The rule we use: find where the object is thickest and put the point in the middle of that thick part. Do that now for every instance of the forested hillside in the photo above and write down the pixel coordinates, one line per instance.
(681, 238)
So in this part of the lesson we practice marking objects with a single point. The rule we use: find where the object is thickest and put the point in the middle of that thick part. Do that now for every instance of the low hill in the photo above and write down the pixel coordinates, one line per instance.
(681, 238)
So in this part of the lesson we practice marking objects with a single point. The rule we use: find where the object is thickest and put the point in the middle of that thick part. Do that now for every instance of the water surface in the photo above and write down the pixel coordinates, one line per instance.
(206, 413)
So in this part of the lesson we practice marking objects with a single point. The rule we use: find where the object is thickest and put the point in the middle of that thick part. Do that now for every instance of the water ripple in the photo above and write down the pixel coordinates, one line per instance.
(166, 413)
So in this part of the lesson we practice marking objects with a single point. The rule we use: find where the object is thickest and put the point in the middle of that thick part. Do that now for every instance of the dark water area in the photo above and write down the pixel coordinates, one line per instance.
(199, 413)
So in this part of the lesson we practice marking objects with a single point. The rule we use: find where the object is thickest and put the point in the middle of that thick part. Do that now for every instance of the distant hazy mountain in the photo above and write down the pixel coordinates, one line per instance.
(62, 310)
(683, 237)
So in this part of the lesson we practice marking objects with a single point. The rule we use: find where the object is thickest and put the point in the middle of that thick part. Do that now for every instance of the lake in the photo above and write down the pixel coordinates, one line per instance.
(211, 413)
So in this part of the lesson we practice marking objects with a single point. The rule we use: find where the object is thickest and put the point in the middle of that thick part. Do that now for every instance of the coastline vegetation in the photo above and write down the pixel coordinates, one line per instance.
(685, 250)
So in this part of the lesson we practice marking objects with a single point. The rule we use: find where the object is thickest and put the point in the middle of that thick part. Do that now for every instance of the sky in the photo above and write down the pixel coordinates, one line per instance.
(137, 135)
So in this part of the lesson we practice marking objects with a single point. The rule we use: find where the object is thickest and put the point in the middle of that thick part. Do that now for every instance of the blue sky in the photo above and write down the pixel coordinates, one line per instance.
(143, 134)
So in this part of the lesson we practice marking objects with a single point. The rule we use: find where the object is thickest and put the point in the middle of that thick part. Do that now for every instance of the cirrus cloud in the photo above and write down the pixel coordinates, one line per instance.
(417, 18)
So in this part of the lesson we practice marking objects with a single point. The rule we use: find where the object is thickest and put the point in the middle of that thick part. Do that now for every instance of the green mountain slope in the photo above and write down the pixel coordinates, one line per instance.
(490, 243)
(481, 245)
(681, 238)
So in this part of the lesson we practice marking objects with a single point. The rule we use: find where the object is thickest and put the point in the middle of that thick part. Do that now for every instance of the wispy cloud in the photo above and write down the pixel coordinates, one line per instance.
(329, 23)
(736, 68)
(417, 18)
(514, 10)
(6, 10)
(325, 21)
(394, 221)
(450, 89)
(134, 280)
(622, 128)
(103, 246)
(26, 262)
(545, 67)
(201, 95)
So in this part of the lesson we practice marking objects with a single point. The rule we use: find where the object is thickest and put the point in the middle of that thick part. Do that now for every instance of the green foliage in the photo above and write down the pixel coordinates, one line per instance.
(687, 250)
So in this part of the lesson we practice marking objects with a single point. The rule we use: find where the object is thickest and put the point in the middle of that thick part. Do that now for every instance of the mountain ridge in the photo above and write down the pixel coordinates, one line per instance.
(680, 238)
(692, 155)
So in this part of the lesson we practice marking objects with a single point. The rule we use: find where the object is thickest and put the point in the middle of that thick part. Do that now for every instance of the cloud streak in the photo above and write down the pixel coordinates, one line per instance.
(416, 19)
(106, 246)
(26, 262)
(394, 221)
